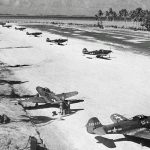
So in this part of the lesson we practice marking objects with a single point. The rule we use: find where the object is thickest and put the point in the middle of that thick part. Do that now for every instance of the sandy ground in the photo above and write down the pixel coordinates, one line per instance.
(120, 85)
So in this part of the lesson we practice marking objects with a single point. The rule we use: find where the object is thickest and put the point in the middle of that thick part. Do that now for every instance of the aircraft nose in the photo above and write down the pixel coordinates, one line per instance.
(38, 88)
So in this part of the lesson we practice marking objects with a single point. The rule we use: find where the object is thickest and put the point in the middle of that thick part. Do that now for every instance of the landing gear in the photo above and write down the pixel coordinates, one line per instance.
(36, 105)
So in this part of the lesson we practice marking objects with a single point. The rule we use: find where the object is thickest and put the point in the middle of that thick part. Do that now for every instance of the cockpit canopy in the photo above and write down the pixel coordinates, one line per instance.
(47, 90)
(139, 117)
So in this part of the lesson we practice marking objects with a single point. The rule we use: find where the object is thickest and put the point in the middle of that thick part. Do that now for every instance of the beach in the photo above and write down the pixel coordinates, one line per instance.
(119, 85)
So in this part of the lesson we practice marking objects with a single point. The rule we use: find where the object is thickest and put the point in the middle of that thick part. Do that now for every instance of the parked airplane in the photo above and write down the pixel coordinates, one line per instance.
(36, 34)
(138, 126)
(20, 28)
(7, 26)
(99, 53)
(2, 23)
(46, 96)
(57, 41)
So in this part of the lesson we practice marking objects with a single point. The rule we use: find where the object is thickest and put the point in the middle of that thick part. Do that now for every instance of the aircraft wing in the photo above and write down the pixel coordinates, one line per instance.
(141, 133)
(117, 118)
(67, 95)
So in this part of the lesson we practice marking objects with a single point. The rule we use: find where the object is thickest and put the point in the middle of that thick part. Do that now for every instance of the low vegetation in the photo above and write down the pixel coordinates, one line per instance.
(140, 18)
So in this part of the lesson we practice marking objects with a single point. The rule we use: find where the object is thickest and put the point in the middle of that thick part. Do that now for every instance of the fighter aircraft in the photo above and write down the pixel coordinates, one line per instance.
(7, 26)
(36, 34)
(57, 41)
(138, 126)
(46, 96)
(99, 53)
(20, 28)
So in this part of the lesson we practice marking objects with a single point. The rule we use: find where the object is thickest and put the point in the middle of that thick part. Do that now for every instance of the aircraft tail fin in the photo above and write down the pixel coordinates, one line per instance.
(92, 124)
(84, 50)
(48, 40)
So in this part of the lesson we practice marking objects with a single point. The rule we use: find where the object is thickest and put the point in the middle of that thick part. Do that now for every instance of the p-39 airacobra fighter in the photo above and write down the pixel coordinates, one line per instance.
(7, 26)
(99, 53)
(57, 41)
(20, 28)
(45, 96)
(137, 126)
(36, 34)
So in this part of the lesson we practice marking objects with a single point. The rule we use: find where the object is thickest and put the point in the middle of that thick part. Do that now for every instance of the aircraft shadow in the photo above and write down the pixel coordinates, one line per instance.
(41, 106)
(48, 105)
(2, 82)
(106, 58)
(73, 111)
(16, 66)
(40, 119)
(37, 119)
(14, 95)
(142, 141)
(16, 47)
(110, 143)
(40, 148)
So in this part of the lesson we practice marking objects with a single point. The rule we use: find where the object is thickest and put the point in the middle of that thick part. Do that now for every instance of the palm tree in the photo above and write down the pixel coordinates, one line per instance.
(99, 18)
(146, 21)
(123, 13)
(111, 14)
(107, 15)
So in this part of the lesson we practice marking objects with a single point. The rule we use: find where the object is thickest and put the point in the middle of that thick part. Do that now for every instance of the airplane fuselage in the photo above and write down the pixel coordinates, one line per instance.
(36, 34)
(21, 29)
(7, 26)
(59, 41)
(124, 127)
(98, 52)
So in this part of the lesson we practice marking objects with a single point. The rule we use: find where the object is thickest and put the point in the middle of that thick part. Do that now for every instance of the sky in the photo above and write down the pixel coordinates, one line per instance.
(67, 7)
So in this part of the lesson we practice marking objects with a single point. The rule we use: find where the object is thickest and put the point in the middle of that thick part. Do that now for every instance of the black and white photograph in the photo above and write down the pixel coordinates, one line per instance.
(74, 74)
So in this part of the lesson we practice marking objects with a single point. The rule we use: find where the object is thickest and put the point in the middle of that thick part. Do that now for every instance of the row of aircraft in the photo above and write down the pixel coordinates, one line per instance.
(98, 53)
(60, 41)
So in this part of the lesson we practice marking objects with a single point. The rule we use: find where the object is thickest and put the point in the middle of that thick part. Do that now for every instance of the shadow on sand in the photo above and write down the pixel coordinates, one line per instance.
(40, 119)
(106, 58)
(41, 106)
(110, 143)
(14, 95)
(2, 82)
(16, 47)
(37, 119)
(48, 105)
(17, 66)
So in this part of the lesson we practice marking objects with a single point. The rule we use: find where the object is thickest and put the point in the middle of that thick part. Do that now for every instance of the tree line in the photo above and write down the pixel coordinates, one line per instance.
(138, 15)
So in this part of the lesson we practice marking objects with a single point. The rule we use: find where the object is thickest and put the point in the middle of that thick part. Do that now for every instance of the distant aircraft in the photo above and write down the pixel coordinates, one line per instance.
(2, 23)
(57, 41)
(36, 34)
(20, 28)
(99, 53)
(138, 126)
(7, 26)
(47, 96)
